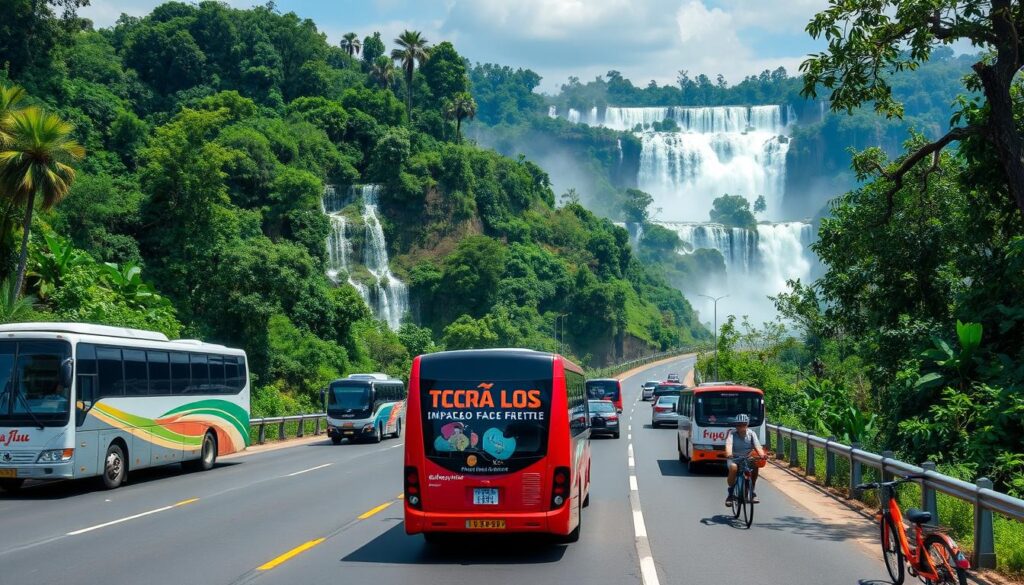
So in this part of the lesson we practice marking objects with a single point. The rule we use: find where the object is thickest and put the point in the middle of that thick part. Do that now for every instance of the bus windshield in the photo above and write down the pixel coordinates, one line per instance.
(31, 391)
(348, 397)
(470, 426)
(599, 390)
(721, 408)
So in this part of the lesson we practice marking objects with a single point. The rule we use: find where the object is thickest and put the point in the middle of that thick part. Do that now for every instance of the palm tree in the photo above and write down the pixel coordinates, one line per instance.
(350, 42)
(412, 49)
(36, 162)
(10, 95)
(383, 71)
(13, 309)
(460, 107)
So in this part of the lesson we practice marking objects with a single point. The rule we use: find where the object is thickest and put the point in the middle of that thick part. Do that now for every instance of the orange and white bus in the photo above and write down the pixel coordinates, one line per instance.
(707, 412)
(498, 441)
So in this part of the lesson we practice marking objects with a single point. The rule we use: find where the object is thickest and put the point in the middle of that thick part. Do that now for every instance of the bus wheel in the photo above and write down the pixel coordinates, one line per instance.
(207, 456)
(115, 468)
(377, 434)
(336, 440)
(398, 429)
(575, 534)
(11, 485)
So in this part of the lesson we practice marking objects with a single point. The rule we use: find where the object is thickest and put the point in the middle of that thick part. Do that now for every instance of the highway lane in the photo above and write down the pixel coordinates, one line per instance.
(318, 513)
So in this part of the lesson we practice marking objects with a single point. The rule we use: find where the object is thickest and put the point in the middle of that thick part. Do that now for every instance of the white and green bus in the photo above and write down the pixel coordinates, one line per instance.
(365, 407)
(79, 400)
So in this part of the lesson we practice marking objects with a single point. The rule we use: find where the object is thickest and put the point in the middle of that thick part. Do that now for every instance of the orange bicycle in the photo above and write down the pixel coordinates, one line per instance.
(934, 559)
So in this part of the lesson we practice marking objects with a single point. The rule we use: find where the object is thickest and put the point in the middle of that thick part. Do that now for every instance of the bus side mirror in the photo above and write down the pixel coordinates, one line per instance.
(67, 371)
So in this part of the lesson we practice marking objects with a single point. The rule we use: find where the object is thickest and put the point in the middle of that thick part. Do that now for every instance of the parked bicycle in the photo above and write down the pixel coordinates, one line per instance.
(934, 559)
(743, 490)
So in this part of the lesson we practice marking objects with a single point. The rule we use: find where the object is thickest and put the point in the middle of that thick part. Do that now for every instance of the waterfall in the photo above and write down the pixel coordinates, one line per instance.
(758, 263)
(738, 150)
(390, 298)
(552, 111)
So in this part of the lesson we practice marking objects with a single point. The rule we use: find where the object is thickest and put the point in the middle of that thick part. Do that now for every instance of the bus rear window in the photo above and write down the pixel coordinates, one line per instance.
(485, 427)
(721, 408)
(603, 391)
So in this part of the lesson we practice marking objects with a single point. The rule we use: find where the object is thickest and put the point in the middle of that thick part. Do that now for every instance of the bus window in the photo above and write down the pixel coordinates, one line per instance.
(136, 380)
(720, 408)
(111, 373)
(180, 374)
(493, 427)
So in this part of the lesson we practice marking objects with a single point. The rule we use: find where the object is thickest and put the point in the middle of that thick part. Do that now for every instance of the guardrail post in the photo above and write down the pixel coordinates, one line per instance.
(263, 433)
(855, 471)
(886, 475)
(794, 455)
(780, 450)
(810, 458)
(280, 430)
(302, 428)
(984, 538)
(768, 441)
(928, 500)
(830, 462)
(316, 427)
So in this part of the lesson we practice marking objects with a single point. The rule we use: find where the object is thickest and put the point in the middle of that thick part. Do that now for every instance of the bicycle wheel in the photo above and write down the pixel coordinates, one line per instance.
(737, 490)
(891, 551)
(944, 561)
(748, 503)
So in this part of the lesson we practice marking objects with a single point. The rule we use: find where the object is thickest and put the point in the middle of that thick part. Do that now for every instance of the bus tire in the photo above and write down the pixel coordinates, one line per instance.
(11, 485)
(207, 455)
(336, 440)
(378, 435)
(616, 435)
(679, 449)
(691, 466)
(586, 501)
(115, 467)
(398, 429)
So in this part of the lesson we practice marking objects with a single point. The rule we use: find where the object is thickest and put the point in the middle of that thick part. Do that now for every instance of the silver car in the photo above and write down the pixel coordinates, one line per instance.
(647, 390)
(664, 411)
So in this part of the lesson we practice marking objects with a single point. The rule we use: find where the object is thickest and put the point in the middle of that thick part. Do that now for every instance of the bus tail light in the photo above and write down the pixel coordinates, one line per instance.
(559, 487)
(412, 487)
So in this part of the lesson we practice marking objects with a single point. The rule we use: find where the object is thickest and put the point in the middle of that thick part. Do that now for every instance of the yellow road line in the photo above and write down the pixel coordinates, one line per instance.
(366, 515)
(400, 496)
(290, 554)
(186, 502)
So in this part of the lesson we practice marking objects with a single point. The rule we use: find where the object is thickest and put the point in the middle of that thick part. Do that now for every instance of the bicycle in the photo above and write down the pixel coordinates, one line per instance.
(743, 490)
(943, 563)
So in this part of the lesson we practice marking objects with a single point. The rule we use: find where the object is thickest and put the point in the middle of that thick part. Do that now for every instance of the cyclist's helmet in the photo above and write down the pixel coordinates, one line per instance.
(741, 419)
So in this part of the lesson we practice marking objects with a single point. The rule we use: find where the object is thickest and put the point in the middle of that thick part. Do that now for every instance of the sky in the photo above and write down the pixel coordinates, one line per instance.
(644, 39)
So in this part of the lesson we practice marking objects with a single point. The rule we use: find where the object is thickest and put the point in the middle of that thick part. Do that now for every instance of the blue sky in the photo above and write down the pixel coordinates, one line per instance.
(644, 39)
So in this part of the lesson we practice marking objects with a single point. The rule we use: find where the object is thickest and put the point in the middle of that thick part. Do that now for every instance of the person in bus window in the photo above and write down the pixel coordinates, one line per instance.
(740, 443)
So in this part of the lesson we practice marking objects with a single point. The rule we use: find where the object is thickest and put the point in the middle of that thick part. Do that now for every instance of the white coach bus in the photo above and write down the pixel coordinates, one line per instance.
(79, 400)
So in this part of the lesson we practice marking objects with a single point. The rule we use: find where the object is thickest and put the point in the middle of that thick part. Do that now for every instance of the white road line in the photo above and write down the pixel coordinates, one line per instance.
(629, 437)
(308, 470)
(632, 463)
(648, 571)
(630, 449)
(133, 517)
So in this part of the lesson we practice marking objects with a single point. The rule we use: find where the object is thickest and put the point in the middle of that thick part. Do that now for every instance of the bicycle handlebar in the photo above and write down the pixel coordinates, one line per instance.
(876, 484)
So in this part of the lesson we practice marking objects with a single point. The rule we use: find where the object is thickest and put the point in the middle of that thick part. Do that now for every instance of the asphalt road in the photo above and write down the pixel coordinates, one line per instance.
(320, 513)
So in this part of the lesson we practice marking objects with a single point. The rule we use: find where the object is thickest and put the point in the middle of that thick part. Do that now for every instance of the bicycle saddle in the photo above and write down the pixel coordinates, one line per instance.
(918, 516)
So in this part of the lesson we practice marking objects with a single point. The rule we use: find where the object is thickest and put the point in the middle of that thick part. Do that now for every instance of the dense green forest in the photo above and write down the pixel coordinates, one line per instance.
(209, 134)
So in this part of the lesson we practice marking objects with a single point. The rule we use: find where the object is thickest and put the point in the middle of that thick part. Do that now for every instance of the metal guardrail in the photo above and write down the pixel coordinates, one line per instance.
(629, 365)
(980, 493)
(280, 421)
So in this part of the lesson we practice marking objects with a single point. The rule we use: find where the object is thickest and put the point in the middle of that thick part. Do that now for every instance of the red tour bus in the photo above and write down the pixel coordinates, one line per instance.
(605, 389)
(498, 441)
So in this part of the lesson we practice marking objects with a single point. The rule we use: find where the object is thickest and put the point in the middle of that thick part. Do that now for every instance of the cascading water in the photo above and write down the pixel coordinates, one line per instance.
(758, 263)
(390, 297)
(737, 150)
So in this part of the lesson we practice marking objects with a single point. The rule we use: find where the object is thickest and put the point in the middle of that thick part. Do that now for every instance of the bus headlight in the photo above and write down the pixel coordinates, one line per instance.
(55, 455)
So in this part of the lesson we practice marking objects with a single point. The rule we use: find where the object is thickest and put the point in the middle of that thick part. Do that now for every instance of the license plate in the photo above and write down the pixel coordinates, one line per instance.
(349, 432)
(485, 496)
(8, 473)
(347, 425)
(485, 524)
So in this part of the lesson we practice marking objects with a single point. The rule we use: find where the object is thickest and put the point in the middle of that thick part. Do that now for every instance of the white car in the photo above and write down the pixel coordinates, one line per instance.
(647, 391)
(664, 411)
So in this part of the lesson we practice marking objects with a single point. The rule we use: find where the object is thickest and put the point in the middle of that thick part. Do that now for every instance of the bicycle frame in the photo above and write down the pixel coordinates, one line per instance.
(918, 559)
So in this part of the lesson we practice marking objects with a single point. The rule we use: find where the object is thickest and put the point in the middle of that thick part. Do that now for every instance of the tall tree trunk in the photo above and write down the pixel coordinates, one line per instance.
(458, 129)
(408, 94)
(23, 260)
(996, 80)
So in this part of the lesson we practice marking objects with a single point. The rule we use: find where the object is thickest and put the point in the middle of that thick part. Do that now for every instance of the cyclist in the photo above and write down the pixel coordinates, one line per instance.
(740, 443)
